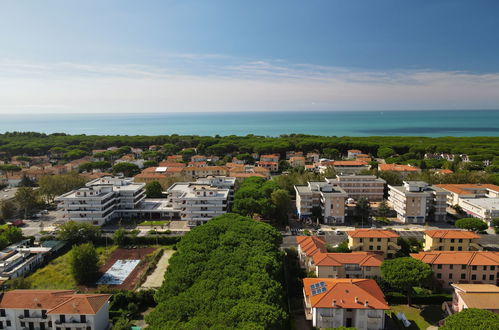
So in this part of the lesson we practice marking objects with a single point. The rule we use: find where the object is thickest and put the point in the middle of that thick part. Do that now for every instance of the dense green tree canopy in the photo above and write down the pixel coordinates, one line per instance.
(84, 263)
(128, 169)
(77, 232)
(52, 186)
(154, 190)
(224, 275)
(472, 318)
(473, 224)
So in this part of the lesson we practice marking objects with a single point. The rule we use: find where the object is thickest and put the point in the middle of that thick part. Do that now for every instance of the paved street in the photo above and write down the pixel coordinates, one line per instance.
(7, 193)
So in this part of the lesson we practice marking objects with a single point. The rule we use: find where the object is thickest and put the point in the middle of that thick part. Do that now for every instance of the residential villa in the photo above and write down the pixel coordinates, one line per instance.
(297, 161)
(402, 169)
(323, 195)
(417, 202)
(312, 157)
(308, 246)
(269, 165)
(53, 309)
(332, 303)
(462, 266)
(349, 166)
(352, 153)
(358, 186)
(270, 158)
(481, 296)
(451, 240)
(380, 241)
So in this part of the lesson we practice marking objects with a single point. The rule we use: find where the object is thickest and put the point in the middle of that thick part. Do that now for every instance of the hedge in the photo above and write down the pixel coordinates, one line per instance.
(426, 299)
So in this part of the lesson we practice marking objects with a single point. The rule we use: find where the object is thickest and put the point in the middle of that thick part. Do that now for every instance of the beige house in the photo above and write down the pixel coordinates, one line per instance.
(462, 266)
(417, 201)
(332, 303)
(451, 240)
(374, 240)
(481, 296)
(297, 161)
(323, 195)
(347, 265)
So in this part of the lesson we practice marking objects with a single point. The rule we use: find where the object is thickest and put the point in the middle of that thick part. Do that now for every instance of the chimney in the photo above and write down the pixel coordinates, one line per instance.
(366, 303)
(356, 300)
(334, 302)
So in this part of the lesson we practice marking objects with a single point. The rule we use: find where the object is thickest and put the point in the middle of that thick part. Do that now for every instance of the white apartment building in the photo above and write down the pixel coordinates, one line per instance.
(198, 202)
(415, 201)
(357, 186)
(102, 200)
(331, 200)
(53, 309)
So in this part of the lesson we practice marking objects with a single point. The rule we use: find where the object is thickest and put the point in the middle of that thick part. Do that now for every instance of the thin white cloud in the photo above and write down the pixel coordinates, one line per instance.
(211, 82)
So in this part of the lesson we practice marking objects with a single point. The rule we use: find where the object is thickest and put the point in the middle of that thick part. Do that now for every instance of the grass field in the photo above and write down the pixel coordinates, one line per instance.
(421, 318)
(57, 273)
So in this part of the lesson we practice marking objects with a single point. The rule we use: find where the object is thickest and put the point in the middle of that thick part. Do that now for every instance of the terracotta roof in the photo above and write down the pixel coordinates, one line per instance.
(342, 293)
(267, 163)
(397, 168)
(54, 301)
(311, 245)
(338, 259)
(467, 189)
(472, 258)
(445, 171)
(356, 151)
(348, 163)
(171, 164)
(375, 233)
(451, 234)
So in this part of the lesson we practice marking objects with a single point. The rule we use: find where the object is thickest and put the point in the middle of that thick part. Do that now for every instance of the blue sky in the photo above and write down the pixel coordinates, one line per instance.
(108, 56)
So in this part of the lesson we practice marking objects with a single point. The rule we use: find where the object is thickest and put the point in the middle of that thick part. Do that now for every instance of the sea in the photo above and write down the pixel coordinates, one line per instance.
(430, 123)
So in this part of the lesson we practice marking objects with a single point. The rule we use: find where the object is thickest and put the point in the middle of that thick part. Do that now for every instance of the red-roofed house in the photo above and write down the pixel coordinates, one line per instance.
(352, 153)
(462, 266)
(332, 303)
(451, 240)
(374, 240)
(402, 169)
(347, 265)
(53, 309)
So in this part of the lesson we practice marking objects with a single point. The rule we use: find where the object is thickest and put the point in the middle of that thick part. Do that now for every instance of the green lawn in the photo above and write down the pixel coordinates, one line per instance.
(57, 273)
(421, 318)
(155, 223)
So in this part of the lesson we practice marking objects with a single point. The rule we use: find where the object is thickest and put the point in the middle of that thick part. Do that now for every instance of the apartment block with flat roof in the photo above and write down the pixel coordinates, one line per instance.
(358, 186)
(323, 195)
(417, 201)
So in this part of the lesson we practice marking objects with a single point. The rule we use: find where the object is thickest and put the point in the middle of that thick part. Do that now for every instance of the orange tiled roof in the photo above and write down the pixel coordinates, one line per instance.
(466, 189)
(348, 163)
(342, 293)
(266, 163)
(375, 233)
(355, 151)
(445, 171)
(54, 301)
(338, 259)
(311, 245)
(477, 258)
(397, 168)
(451, 234)
(171, 164)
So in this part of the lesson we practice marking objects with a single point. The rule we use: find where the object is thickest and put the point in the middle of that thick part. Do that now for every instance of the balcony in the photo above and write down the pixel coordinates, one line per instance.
(71, 324)
(33, 318)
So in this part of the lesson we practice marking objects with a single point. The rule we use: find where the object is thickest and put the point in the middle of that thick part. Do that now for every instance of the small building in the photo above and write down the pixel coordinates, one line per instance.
(356, 303)
(450, 267)
(451, 240)
(270, 158)
(417, 201)
(352, 153)
(347, 265)
(401, 169)
(374, 240)
(270, 165)
(53, 309)
(297, 161)
(481, 296)
(312, 157)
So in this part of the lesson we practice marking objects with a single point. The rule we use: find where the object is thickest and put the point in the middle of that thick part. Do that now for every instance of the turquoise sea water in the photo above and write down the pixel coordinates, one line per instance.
(337, 123)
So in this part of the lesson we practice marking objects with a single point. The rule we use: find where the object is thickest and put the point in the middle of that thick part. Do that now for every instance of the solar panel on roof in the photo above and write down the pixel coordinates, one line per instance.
(323, 289)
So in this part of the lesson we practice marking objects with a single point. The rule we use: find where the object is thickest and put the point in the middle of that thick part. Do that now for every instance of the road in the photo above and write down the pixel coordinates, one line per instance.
(7, 193)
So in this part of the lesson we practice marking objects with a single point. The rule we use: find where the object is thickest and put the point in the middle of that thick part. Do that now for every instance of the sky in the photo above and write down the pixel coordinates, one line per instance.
(260, 55)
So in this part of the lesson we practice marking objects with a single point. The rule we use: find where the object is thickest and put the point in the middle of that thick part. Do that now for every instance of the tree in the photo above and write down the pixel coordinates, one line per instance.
(363, 208)
(472, 318)
(122, 324)
(119, 237)
(52, 186)
(473, 224)
(154, 190)
(76, 232)
(128, 169)
(84, 263)
(404, 273)
(385, 152)
(341, 248)
(26, 199)
(26, 182)
(282, 204)
(7, 209)
(383, 209)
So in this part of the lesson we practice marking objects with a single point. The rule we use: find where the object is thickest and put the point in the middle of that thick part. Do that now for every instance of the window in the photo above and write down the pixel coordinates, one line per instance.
(451, 266)
(26, 313)
(8, 323)
(484, 277)
(370, 247)
(371, 240)
(360, 240)
(463, 276)
(484, 267)
(349, 309)
(439, 275)
(83, 318)
(491, 277)
(450, 275)
(452, 248)
(378, 247)
(368, 268)
(473, 267)
(439, 266)
(463, 266)
(460, 240)
(1, 325)
(492, 267)
(459, 248)
(473, 277)
(22, 324)
(379, 239)
(452, 240)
